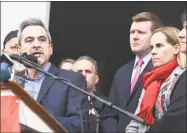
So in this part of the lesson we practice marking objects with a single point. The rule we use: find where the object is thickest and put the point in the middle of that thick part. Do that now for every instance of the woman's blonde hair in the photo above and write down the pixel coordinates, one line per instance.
(171, 34)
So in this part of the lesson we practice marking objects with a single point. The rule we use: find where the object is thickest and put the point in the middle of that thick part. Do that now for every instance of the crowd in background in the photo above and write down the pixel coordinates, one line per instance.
(152, 86)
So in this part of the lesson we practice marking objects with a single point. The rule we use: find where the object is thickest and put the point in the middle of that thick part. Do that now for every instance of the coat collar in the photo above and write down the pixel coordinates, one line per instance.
(47, 83)
(176, 72)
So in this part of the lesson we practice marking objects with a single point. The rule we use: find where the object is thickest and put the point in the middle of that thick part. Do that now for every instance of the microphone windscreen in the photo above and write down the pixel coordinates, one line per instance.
(32, 58)
(29, 57)
(26, 60)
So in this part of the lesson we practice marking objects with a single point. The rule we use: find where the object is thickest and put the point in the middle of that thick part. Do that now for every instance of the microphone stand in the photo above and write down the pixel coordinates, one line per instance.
(97, 115)
(67, 82)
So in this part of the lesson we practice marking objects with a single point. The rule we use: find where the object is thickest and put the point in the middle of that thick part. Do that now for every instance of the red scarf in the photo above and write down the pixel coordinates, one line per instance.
(152, 82)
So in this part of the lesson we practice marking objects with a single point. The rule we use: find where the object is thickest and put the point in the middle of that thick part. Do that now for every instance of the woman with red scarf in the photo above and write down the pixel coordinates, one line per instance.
(169, 64)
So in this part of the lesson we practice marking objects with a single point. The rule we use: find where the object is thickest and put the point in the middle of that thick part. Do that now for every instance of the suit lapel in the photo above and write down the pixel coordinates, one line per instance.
(125, 83)
(129, 80)
(146, 69)
(47, 83)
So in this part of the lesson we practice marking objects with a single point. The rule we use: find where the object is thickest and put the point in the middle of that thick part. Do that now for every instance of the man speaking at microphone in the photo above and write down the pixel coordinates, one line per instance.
(59, 99)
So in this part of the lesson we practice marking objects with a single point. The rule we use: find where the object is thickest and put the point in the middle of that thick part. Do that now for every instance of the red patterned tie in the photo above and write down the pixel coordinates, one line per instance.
(137, 74)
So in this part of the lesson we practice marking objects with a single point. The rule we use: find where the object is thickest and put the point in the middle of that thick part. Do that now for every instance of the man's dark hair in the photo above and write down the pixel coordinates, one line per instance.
(9, 36)
(148, 16)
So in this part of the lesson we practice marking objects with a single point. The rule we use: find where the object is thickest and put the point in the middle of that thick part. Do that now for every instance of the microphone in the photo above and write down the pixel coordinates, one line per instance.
(31, 59)
(94, 103)
(5, 64)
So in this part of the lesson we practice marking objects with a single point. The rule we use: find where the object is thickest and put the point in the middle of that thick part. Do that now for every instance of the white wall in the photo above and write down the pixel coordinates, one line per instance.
(13, 13)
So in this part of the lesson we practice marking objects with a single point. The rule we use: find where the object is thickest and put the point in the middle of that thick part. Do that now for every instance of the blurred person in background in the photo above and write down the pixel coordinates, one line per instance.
(67, 64)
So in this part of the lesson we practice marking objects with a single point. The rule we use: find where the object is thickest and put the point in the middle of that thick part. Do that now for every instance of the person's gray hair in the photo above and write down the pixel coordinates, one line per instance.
(32, 22)
(89, 59)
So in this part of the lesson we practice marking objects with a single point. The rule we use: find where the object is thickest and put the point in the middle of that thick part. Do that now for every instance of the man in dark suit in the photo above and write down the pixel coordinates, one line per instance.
(88, 67)
(59, 99)
(174, 119)
(127, 85)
